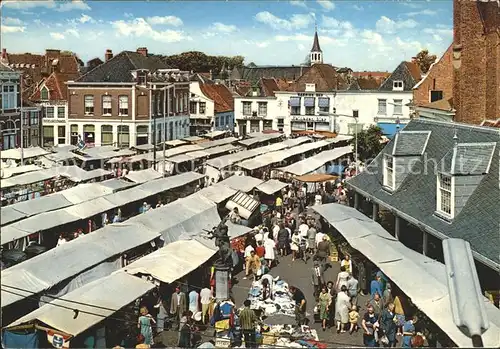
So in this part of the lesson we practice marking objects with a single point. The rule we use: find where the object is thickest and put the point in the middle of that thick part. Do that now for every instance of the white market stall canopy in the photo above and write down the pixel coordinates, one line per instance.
(271, 186)
(200, 154)
(421, 278)
(58, 264)
(143, 176)
(315, 162)
(26, 153)
(214, 134)
(259, 138)
(7, 172)
(245, 203)
(193, 139)
(241, 183)
(144, 147)
(230, 159)
(173, 261)
(53, 219)
(101, 298)
(174, 143)
(73, 173)
(217, 193)
(168, 153)
(281, 155)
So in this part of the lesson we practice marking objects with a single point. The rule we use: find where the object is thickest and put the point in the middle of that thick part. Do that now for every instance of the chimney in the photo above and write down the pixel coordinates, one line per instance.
(414, 60)
(108, 55)
(143, 51)
(4, 53)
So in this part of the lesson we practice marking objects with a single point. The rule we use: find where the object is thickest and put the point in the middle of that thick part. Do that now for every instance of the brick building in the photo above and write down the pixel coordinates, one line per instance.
(122, 102)
(464, 85)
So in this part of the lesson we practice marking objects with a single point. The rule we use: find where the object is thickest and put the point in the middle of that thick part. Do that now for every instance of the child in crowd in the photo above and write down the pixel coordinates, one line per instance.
(353, 319)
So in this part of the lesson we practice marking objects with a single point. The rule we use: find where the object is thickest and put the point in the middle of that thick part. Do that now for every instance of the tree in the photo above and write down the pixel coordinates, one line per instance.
(424, 60)
(200, 62)
(369, 143)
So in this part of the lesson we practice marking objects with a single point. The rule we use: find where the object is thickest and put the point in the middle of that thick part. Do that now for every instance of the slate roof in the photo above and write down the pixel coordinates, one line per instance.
(324, 76)
(478, 220)
(4, 67)
(442, 104)
(118, 68)
(408, 72)
(221, 95)
(410, 143)
(472, 158)
(255, 74)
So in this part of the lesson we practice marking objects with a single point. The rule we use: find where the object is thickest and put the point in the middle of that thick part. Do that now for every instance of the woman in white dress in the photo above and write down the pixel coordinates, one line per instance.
(269, 255)
(342, 278)
(342, 308)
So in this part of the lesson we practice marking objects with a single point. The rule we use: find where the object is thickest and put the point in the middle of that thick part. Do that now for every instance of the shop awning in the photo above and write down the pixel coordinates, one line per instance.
(315, 162)
(271, 186)
(241, 183)
(217, 193)
(48, 269)
(421, 278)
(143, 175)
(389, 129)
(104, 297)
(173, 261)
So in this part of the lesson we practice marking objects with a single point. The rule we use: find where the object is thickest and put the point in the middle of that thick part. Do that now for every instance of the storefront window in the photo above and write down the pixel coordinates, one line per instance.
(123, 136)
(89, 134)
(48, 136)
(74, 134)
(106, 135)
(142, 135)
(61, 134)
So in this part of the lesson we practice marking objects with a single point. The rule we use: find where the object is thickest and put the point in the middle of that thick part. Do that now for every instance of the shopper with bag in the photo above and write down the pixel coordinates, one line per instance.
(388, 326)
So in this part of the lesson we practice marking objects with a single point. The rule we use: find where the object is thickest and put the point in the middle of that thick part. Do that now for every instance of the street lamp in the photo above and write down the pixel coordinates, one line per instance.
(166, 98)
(355, 133)
(467, 305)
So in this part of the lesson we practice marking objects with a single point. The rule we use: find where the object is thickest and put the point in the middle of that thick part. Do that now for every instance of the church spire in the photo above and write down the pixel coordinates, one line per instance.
(316, 55)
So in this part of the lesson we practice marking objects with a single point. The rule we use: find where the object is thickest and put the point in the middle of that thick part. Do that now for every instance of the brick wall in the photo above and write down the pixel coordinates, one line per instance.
(439, 78)
(76, 102)
(477, 82)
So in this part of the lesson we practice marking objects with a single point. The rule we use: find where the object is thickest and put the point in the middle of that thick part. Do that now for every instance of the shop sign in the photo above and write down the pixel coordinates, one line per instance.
(58, 340)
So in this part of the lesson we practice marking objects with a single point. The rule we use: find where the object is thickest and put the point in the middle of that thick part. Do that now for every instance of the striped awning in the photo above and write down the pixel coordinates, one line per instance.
(323, 102)
(309, 101)
(295, 102)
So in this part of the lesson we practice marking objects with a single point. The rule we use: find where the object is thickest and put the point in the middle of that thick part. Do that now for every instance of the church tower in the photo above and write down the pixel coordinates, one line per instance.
(316, 55)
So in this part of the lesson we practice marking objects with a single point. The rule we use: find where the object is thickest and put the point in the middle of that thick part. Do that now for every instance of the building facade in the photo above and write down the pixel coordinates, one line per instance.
(130, 99)
(11, 123)
(201, 109)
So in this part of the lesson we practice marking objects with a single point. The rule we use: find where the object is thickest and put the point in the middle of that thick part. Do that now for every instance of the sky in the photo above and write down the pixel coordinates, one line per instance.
(362, 35)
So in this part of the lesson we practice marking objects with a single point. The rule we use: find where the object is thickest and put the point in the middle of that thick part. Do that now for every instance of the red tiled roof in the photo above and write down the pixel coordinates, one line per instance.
(369, 83)
(220, 94)
(371, 74)
(442, 104)
(56, 83)
(324, 76)
(414, 70)
(269, 86)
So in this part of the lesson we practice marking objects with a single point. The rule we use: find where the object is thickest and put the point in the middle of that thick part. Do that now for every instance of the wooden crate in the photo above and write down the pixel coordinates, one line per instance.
(222, 342)
(334, 256)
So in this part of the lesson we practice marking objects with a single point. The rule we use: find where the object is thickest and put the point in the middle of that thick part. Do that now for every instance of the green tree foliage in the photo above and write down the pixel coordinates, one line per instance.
(369, 144)
(424, 60)
(201, 63)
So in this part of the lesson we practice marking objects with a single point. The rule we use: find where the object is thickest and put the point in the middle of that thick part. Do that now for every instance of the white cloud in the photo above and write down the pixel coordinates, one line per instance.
(425, 12)
(84, 19)
(301, 47)
(303, 38)
(138, 27)
(72, 5)
(223, 28)
(73, 32)
(128, 15)
(298, 3)
(412, 46)
(165, 20)
(295, 22)
(441, 30)
(387, 25)
(330, 22)
(259, 44)
(24, 5)
(358, 7)
(11, 21)
(437, 37)
(326, 5)
(12, 29)
(57, 36)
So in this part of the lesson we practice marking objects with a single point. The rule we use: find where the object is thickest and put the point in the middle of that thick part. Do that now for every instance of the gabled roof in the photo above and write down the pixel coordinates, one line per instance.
(220, 94)
(324, 76)
(469, 159)
(442, 104)
(119, 68)
(364, 84)
(415, 199)
(410, 143)
(56, 84)
(408, 72)
(253, 74)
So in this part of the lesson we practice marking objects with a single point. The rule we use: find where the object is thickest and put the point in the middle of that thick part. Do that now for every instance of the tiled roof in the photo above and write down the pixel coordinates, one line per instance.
(56, 84)
(220, 94)
(442, 104)
(407, 72)
(371, 74)
(324, 76)
(268, 86)
(118, 68)
(365, 84)
(255, 74)
(491, 123)
(477, 221)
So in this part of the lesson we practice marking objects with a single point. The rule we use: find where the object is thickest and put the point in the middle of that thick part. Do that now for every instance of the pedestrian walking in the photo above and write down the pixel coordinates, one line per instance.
(324, 303)
(352, 287)
(248, 321)
(300, 305)
(342, 308)
(388, 326)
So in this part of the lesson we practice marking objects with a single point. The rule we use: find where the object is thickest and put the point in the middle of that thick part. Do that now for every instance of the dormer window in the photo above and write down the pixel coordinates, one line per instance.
(445, 195)
(397, 85)
(310, 87)
(44, 94)
(389, 172)
(141, 77)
